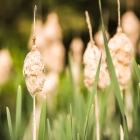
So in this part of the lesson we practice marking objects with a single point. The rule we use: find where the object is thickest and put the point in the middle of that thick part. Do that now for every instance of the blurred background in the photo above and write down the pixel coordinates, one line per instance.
(60, 27)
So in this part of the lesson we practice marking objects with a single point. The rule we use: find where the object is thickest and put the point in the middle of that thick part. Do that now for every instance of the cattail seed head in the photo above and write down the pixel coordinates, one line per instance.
(122, 52)
(33, 71)
(121, 49)
(91, 59)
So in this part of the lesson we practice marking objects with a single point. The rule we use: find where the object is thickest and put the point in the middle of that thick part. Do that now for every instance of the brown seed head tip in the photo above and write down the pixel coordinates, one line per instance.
(119, 30)
(33, 71)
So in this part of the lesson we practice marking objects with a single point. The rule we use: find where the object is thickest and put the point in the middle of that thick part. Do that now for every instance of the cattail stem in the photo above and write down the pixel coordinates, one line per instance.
(34, 119)
(35, 9)
(97, 118)
(121, 127)
(119, 19)
(34, 38)
(89, 26)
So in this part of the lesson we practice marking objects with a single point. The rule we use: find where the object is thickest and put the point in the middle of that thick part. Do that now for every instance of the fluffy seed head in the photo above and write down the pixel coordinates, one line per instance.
(33, 71)
(122, 53)
(91, 59)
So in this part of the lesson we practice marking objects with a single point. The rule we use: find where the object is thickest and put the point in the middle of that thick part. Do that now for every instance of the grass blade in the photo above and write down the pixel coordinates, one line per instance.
(113, 76)
(42, 121)
(49, 130)
(9, 123)
(18, 113)
(104, 100)
(92, 95)
(68, 126)
(94, 89)
(70, 73)
(71, 122)
(78, 137)
(137, 69)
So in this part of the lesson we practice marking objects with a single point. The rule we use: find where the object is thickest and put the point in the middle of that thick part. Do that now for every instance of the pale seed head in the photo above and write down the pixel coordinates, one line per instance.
(131, 26)
(91, 59)
(122, 52)
(33, 71)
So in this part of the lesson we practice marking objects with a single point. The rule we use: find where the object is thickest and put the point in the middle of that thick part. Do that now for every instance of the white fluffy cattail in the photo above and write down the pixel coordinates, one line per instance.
(91, 59)
(33, 71)
(122, 52)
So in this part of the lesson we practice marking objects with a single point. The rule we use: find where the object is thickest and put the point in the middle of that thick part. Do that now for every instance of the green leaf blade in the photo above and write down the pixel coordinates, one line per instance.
(42, 121)
(137, 70)
(9, 123)
(49, 130)
(94, 89)
(18, 113)
(113, 74)
(92, 96)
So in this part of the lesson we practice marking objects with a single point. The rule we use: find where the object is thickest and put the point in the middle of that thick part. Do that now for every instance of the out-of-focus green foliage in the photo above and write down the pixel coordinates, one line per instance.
(16, 18)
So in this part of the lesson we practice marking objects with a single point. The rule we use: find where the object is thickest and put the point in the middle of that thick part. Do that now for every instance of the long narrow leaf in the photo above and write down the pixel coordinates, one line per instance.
(71, 122)
(92, 95)
(113, 75)
(9, 123)
(70, 74)
(68, 127)
(49, 130)
(94, 89)
(78, 137)
(42, 121)
(137, 69)
(104, 99)
(18, 113)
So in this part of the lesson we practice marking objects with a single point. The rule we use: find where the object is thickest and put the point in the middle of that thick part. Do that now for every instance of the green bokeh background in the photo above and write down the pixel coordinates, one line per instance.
(16, 17)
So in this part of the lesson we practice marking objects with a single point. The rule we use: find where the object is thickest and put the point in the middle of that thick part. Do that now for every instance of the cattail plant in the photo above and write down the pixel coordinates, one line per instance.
(122, 51)
(131, 30)
(33, 71)
(91, 59)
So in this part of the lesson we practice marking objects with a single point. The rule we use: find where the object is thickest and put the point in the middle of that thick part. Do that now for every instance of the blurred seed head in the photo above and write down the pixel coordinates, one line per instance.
(131, 26)
(5, 65)
(76, 47)
(54, 57)
(99, 40)
(50, 84)
(52, 29)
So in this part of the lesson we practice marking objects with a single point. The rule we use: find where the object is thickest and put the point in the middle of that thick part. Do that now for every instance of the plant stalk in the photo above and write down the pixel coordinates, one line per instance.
(34, 119)
(121, 127)
(97, 117)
